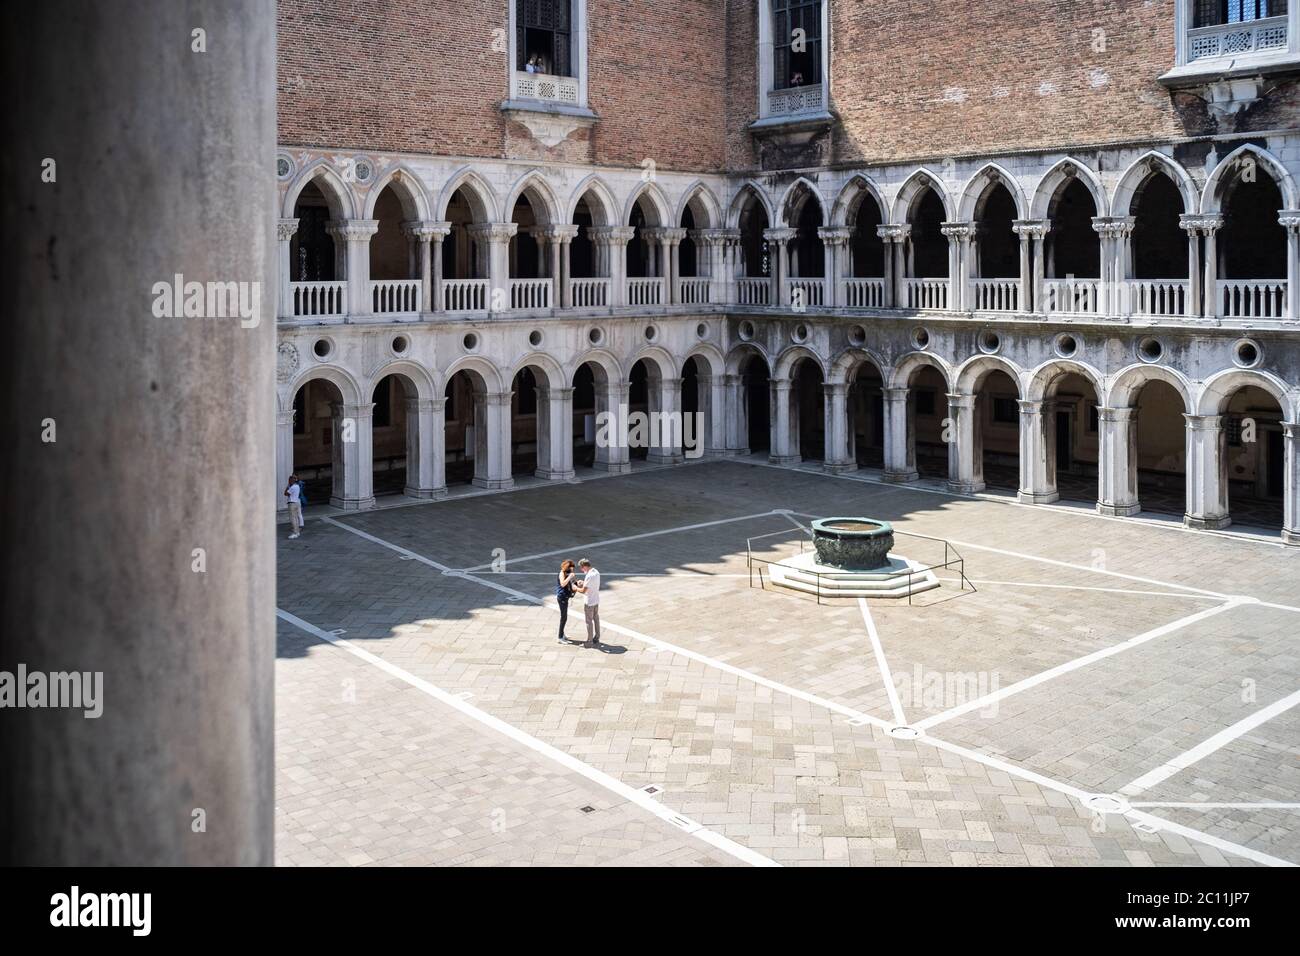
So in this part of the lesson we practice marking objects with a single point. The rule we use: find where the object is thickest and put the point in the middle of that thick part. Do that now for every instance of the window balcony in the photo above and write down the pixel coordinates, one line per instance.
(1227, 56)
(561, 90)
(796, 101)
(1237, 39)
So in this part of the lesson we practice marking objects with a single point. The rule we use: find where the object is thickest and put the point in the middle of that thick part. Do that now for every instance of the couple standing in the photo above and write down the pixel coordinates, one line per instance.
(589, 587)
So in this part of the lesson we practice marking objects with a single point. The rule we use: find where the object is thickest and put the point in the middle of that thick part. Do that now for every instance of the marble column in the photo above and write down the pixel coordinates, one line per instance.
(713, 406)
(425, 447)
(354, 235)
(1031, 232)
(899, 439)
(1290, 221)
(1291, 483)
(611, 428)
(1037, 455)
(561, 239)
(666, 433)
(778, 242)
(784, 448)
(494, 237)
(353, 460)
(283, 456)
(965, 450)
(838, 455)
(284, 233)
(1191, 225)
(736, 389)
(895, 238)
(1117, 465)
(1209, 227)
(441, 230)
(1207, 473)
(554, 433)
(959, 236)
(492, 440)
(423, 232)
(161, 437)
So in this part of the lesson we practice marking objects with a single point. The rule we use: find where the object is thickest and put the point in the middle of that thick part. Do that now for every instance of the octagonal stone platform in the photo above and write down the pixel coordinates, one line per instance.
(803, 573)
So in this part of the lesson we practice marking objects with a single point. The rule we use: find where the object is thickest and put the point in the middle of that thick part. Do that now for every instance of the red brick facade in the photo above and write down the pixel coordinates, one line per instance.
(677, 83)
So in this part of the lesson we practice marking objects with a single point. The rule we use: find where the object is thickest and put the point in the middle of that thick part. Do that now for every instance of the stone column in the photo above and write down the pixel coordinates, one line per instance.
(492, 441)
(561, 239)
(1115, 233)
(713, 406)
(899, 440)
(613, 241)
(135, 441)
(1037, 455)
(425, 447)
(1209, 227)
(669, 240)
(895, 238)
(495, 238)
(737, 413)
(355, 235)
(1291, 483)
(1038, 230)
(283, 456)
(1290, 221)
(1191, 225)
(783, 448)
(1117, 465)
(611, 428)
(835, 240)
(423, 231)
(284, 233)
(965, 451)
(554, 433)
(353, 457)
(666, 438)
(959, 242)
(1207, 473)
(441, 230)
(839, 450)
(779, 240)
(1029, 230)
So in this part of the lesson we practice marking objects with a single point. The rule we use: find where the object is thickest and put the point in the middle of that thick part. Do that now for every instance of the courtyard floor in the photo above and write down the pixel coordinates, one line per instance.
(1111, 693)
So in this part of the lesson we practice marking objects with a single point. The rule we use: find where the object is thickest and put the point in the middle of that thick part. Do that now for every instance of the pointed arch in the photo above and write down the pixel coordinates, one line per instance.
(602, 204)
(978, 186)
(847, 203)
(656, 206)
(535, 184)
(338, 194)
(1140, 169)
(740, 200)
(801, 185)
(481, 198)
(1224, 175)
(700, 197)
(408, 188)
(913, 186)
(1056, 178)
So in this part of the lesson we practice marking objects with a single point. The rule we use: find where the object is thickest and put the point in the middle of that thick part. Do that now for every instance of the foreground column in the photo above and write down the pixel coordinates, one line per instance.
(353, 457)
(137, 440)
(783, 450)
(492, 447)
(554, 433)
(611, 428)
(1117, 462)
(1207, 479)
(666, 434)
(838, 454)
(425, 447)
(737, 413)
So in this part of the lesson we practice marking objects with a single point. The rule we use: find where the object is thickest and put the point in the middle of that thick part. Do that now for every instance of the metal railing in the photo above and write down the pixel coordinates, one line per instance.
(952, 558)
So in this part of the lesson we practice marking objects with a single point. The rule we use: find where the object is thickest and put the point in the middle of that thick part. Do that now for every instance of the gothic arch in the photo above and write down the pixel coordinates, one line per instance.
(1137, 173)
(911, 189)
(792, 192)
(482, 201)
(699, 196)
(600, 201)
(536, 186)
(978, 186)
(1218, 181)
(331, 184)
(740, 200)
(858, 187)
(656, 206)
(409, 190)
(1054, 180)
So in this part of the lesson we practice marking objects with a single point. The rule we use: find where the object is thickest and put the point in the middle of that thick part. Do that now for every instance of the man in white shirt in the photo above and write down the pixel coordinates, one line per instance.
(589, 588)
(294, 493)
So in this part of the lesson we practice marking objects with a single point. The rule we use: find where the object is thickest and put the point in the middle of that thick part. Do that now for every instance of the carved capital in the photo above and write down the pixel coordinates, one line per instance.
(611, 234)
(961, 231)
(352, 230)
(1203, 224)
(780, 235)
(895, 232)
(285, 229)
(1289, 219)
(1033, 228)
(1113, 227)
(560, 233)
(835, 235)
(494, 231)
(425, 229)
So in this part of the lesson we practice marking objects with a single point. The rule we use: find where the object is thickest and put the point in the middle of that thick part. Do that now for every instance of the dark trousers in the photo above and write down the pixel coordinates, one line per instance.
(564, 614)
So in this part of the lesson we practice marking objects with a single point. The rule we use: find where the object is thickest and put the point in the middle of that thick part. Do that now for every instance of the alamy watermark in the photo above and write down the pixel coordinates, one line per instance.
(179, 299)
(684, 430)
(74, 690)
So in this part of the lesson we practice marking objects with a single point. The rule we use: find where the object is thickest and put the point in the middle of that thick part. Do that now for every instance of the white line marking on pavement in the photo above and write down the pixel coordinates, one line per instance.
(632, 537)
(900, 719)
(860, 717)
(1078, 587)
(631, 794)
(1209, 746)
(981, 703)
(1219, 806)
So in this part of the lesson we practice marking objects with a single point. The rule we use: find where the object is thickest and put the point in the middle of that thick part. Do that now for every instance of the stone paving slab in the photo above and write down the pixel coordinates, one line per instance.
(773, 772)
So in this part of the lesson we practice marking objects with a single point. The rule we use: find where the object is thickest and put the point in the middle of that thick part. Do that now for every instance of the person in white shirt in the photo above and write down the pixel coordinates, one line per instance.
(293, 491)
(589, 588)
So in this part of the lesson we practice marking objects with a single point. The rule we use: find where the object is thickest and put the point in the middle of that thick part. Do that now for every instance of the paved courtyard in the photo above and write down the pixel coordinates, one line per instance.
(1111, 693)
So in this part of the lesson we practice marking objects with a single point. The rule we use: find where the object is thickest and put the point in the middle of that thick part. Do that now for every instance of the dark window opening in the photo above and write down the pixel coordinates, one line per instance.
(798, 60)
(924, 402)
(543, 37)
(1006, 411)
(1214, 12)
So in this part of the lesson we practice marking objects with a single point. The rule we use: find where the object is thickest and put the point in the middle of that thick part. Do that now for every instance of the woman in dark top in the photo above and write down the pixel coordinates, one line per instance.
(564, 591)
